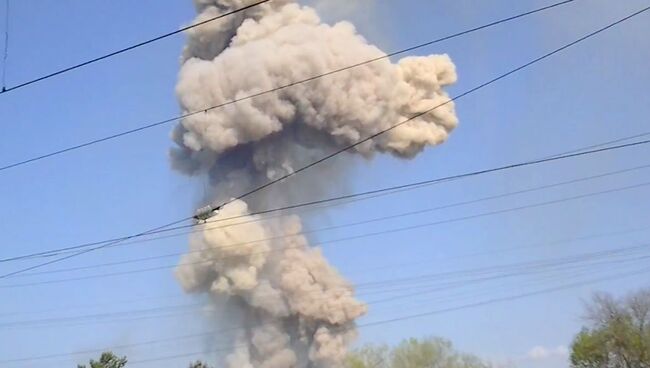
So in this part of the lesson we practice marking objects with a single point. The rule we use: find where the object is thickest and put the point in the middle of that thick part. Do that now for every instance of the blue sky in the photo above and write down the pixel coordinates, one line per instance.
(592, 93)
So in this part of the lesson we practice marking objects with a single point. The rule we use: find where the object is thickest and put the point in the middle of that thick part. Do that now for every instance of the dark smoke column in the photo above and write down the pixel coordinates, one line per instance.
(294, 309)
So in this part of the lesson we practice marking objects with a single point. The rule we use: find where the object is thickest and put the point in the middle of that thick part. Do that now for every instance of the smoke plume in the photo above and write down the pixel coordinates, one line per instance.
(294, 309)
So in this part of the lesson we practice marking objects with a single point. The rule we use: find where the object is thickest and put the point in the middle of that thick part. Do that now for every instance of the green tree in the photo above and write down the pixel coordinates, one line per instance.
(370, 356)
(199, 364)
(414, 353)
(617, 333)
(432, 353)
(107, 360)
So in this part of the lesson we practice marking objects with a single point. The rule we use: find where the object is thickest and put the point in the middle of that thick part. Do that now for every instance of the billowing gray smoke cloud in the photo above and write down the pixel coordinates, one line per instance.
(295, 310)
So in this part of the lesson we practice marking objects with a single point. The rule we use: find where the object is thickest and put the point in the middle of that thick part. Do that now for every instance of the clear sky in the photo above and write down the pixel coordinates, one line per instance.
(594, 92)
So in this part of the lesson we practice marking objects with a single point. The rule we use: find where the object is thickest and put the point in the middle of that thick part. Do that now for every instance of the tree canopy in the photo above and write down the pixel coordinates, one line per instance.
(413, 353)
(106, 360)
(110, 360)
(199, 364)
(617, 333)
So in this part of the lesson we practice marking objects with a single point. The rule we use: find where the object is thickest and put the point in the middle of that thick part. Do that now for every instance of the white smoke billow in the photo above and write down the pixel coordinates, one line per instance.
(293, 308)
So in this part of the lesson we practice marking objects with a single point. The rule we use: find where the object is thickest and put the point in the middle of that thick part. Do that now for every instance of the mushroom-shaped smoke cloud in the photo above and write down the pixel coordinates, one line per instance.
(295, 310)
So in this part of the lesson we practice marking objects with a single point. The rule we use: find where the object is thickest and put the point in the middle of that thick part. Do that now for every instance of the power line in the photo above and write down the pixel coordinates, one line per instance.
(321, 243)
(508, 298)
(479, 274)
(371, 194)
(129, 48)
(525, 272)
(119, 240)
(518, 266)
(423, 289)
(140, 344)
(365, 270)
(377, 233)
(517, 269)
(84, 251)
(515, 248)
(97, 316)
(461, 307)
(333, 227)
(113, 348)
(366, 139)
(564, 273)
(579, 152)
(365, 325)
(607, 143)
(537, 277)
(93, 306)
(276, 89)
(448, 310)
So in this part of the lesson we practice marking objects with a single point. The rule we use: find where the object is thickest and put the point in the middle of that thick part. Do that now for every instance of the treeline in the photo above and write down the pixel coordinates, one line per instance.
(616, 334)
(411, 353)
